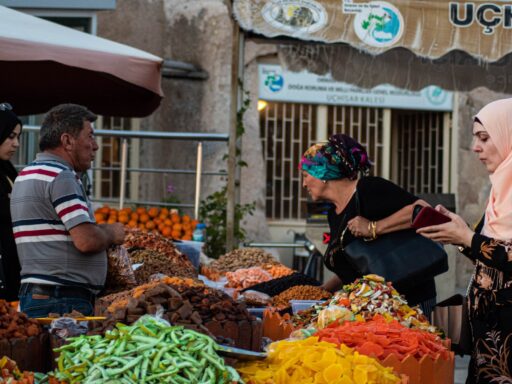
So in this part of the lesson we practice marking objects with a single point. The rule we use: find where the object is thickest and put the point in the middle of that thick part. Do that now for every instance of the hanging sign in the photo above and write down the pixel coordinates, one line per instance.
(429, 29)
(276, 84)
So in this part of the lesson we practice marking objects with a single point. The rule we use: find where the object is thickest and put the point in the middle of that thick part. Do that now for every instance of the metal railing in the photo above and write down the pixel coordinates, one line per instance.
(198, 137)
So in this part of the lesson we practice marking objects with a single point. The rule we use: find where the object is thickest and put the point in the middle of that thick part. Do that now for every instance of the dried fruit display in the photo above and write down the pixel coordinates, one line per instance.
(154, 262)
(380, 338)
(208, 303)
(361, 300)
(14, 324)
(10, 373)
(277, 270)
(159, 252)
(314, 361)
(245, 277)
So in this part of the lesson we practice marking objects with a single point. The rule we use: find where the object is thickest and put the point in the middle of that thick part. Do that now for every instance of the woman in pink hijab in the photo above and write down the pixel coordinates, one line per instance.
(490, 249)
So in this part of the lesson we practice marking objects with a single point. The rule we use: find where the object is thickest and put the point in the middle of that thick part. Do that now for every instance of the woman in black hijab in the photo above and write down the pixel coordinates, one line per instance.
(10, 130)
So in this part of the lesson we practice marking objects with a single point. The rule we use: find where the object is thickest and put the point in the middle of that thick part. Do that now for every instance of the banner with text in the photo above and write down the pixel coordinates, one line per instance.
(276, 84)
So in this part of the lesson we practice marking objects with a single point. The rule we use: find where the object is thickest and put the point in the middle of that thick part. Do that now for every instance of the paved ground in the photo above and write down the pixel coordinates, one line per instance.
(461, 369)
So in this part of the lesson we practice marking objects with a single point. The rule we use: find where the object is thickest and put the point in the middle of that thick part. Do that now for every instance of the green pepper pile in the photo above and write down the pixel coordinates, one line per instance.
(148, 351)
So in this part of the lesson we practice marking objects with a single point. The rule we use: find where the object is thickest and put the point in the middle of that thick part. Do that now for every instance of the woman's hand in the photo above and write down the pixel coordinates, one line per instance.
(454, 232)
(359, 227)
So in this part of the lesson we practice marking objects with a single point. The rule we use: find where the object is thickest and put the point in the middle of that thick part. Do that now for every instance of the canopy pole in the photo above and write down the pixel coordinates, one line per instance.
(231, 185)
(199, 170)
(124, 160)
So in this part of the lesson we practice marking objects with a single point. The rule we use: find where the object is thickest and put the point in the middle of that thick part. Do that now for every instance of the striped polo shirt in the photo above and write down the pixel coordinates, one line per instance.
(48, 200)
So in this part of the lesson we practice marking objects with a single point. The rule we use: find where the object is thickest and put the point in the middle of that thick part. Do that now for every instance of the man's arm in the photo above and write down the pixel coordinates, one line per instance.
(92, 238)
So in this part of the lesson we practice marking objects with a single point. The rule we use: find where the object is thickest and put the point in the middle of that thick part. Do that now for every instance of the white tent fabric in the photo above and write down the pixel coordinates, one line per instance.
(72, 66)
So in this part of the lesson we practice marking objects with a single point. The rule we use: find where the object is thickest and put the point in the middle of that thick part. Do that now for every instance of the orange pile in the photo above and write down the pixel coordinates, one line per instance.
(160, 220)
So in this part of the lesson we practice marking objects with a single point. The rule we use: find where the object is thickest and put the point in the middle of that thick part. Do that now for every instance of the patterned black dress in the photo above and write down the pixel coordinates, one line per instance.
(490, 310)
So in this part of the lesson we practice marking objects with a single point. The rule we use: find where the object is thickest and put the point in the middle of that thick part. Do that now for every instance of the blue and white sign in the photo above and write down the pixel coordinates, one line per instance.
(379, 25)
(276, 84)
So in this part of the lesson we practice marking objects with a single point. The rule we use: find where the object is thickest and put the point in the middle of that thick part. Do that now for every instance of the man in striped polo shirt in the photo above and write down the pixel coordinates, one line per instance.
(62, 250)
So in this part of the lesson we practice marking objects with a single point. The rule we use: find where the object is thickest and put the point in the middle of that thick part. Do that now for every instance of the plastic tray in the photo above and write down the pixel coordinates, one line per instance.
(300, 305)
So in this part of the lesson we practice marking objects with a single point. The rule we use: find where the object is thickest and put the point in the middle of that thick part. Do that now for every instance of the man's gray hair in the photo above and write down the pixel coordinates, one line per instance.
(64, 118)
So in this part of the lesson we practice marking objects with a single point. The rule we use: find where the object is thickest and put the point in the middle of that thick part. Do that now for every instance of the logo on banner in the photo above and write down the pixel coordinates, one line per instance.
(435, 95)
(298, 16)
(274, 82)
(379, 24)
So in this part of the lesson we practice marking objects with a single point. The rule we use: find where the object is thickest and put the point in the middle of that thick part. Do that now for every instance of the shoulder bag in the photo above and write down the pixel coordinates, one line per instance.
(402, 257)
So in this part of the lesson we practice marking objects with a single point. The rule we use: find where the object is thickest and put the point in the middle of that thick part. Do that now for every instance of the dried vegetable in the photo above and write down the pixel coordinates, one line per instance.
(361, 300)
(14, 324)
(276, 286)
(149, 351)
(379, 338)
(316, 362)
(245, 277)
(238, 259)
(299, 292)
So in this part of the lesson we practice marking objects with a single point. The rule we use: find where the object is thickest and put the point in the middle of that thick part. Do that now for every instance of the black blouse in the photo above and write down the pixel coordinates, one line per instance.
(10, 266)
(378, 199)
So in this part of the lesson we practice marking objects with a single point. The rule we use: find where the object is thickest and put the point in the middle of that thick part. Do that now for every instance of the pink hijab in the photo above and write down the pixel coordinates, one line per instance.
(496, 118)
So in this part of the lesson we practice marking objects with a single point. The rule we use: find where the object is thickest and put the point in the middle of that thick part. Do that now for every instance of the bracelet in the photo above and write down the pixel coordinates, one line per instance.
(373, 225)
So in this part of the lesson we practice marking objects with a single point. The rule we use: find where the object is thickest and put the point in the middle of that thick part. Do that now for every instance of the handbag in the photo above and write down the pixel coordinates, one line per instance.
(451, 316)
(402, 257)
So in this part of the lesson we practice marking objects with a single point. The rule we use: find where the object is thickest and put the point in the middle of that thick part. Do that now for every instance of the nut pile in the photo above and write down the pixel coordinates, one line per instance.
(154, 262)
(14, 324)
(158, 255)
(242, 258)
(299, 292)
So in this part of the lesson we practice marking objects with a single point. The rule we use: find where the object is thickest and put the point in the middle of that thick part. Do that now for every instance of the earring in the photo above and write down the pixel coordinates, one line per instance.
(324, 181)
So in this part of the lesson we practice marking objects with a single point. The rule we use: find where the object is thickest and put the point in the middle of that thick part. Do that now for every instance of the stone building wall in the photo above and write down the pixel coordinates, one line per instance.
(198, 32)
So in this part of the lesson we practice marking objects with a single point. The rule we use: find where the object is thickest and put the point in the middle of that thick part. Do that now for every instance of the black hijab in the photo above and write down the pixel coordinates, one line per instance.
(8, 121)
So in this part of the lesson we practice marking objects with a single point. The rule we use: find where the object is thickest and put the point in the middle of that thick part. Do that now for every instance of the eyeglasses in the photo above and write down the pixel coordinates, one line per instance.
(5, 107)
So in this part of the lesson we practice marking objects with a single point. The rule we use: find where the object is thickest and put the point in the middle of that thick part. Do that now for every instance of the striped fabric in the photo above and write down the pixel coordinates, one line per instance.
(47, 201)
(26, 231)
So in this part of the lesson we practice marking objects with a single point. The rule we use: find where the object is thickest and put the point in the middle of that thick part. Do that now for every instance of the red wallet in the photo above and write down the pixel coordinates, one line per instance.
(428, 216)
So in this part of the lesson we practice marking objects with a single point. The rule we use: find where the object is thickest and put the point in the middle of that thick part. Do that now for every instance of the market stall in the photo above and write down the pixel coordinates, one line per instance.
(244, 317)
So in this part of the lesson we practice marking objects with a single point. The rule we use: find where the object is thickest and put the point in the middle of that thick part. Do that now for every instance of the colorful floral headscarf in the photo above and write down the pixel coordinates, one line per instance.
(342, 157)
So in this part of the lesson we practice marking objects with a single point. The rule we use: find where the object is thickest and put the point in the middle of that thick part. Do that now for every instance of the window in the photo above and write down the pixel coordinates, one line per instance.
(410, 148)
(287, 130)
